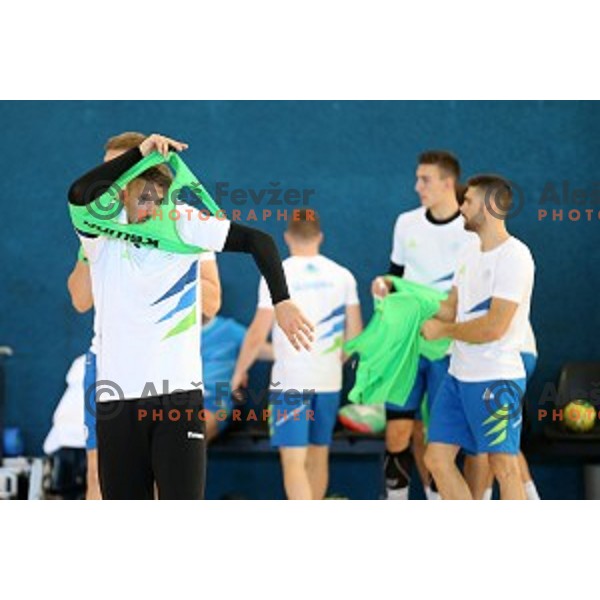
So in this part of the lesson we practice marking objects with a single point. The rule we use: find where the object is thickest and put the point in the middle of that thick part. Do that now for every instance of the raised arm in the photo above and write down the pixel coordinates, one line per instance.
(95, 182)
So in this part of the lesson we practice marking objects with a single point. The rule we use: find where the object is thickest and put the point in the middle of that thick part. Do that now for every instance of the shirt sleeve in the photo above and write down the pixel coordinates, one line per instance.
(397, 256)
(264, 297)
(513, 279)
(199, 229)
(81, 257)
(207, 257)
(92, 246)
(396, 270)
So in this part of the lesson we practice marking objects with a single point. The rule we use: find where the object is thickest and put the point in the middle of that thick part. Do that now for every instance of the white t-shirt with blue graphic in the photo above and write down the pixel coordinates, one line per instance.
(505, 272)
(322, 289)
(428, 250)
(148, 312)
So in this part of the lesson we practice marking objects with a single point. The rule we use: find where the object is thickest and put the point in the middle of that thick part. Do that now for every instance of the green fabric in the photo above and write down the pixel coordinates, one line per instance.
(390, 346)
(100, 217)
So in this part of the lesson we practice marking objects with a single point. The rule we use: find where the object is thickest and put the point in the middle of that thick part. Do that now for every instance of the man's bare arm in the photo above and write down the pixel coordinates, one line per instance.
(211, 288)
(447, 310)
(79, 285)
(354, 324)
(488, 328)
(256, 336)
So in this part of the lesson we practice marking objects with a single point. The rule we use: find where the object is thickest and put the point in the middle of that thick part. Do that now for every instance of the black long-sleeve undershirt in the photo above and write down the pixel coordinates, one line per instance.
(240, 238)
(396, 270)
(264, 251)
(95, 182)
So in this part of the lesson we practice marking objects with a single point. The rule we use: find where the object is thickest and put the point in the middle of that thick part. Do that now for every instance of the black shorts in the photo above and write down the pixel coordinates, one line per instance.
(158, 440)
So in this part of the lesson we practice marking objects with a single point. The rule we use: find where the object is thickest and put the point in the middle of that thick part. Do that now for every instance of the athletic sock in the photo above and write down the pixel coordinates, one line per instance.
(487, 495)
(430, 494)
(398, 494)
(397, 467)
(531, 491)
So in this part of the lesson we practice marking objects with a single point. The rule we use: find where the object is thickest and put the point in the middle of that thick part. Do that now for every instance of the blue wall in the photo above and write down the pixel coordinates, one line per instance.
(359, 157)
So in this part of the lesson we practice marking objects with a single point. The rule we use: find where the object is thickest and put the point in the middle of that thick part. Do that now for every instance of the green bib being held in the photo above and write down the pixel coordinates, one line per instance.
(101, 216)
(391, 344)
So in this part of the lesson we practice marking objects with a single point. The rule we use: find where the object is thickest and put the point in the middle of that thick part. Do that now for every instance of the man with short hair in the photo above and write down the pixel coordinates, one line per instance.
(478, 406)
(148, 318)
(426, 244)
(79, 285)
(302, 427)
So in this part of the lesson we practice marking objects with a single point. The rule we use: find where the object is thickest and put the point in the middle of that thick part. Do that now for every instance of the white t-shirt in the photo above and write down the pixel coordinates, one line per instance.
(204, 257)
(322, 289)
(505, 272)
(149, 310)
(428, 251)
(529, 346)
(68, 430)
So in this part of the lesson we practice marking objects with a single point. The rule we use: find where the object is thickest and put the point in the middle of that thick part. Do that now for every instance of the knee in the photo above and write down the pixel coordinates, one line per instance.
(397, 434)
(435, 460)
(316, 461)
(293, 462)
(504, 466)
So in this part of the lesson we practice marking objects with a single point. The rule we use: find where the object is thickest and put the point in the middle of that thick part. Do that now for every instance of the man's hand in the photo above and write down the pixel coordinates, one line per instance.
(434, 329)
(297, 328)
(160, 143)
(238, 381)
(381, 287)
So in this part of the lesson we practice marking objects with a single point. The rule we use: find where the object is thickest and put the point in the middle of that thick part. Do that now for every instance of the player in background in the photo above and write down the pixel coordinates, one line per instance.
(478, 406)
(426, 245)
(302, 428)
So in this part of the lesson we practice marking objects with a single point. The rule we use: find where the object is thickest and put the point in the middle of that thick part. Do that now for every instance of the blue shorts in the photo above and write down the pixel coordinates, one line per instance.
(430, 374)
(89, 394)
(310, 423)
(218, 401)
(480, 417)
